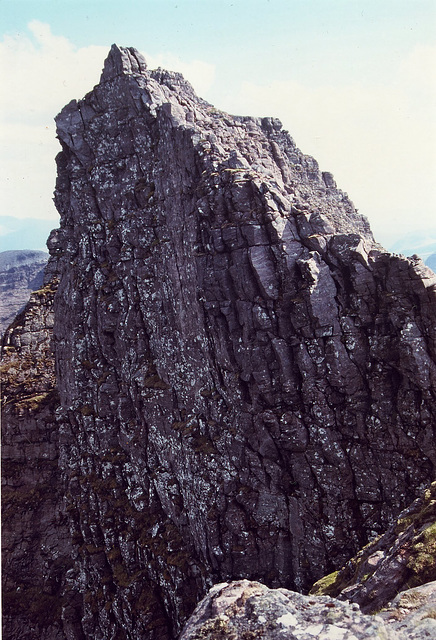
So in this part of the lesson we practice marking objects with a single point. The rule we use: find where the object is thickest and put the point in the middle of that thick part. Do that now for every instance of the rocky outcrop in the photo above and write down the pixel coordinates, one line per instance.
(403, 557)
(393, 576)
(21, 272)
(36, 547)
(246, 379)
(248, 610)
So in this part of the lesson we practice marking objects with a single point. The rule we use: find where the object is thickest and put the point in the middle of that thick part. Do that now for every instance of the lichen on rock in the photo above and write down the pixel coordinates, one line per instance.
(249, 611)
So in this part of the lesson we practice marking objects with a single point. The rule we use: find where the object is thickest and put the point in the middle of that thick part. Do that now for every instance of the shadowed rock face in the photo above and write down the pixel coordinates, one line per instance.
(246, 379)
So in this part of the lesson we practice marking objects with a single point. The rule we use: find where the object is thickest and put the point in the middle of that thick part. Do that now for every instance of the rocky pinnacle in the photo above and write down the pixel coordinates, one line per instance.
(246, 379)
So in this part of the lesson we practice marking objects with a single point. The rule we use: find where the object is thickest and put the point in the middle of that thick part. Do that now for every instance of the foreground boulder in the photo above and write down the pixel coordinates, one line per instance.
(413, 613)
(248, 610)
(245, 379)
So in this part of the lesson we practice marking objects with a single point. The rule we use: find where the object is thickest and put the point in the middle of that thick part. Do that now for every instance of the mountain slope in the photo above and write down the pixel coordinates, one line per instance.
(21, 272)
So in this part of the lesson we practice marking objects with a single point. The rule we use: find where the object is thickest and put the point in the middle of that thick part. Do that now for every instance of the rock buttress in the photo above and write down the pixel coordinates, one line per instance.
(246, 379)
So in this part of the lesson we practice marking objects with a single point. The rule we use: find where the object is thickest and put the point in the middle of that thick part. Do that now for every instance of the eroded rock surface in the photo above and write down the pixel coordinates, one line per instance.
(246, 379)
(248, 610)
(413, 612)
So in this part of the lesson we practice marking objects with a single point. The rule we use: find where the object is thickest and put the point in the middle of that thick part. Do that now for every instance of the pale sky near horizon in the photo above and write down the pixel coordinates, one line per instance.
(353, 81)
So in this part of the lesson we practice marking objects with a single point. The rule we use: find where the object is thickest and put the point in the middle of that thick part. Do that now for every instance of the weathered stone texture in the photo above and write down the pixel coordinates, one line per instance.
(413, 612)
(248, 611)
(246, 379)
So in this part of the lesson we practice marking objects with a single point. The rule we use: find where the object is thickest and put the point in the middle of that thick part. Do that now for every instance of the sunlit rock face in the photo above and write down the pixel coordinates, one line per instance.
(246, 609)
(246, 379)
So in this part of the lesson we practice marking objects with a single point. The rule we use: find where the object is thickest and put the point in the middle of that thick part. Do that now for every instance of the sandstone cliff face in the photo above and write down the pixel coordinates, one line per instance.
(246, 379)
(21, 272)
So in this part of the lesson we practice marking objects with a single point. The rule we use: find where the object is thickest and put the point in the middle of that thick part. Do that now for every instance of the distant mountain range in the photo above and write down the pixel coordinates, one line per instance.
(422, 243)
(431, 261)
(21, 272)
(24, 234)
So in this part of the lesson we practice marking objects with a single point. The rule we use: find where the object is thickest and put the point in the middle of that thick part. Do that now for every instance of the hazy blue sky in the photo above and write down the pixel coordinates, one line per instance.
(352, 80)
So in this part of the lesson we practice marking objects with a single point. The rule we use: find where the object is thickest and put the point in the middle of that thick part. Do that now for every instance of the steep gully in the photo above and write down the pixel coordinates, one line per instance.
(244, 378)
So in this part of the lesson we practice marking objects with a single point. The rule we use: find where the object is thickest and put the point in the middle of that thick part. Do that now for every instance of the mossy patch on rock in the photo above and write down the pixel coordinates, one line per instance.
(404, 557)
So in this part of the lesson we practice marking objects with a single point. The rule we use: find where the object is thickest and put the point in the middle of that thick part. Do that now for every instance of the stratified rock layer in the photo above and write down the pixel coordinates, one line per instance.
(246, 379)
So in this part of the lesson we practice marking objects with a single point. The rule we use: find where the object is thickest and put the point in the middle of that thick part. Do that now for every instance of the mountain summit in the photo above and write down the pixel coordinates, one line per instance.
(245, 380)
